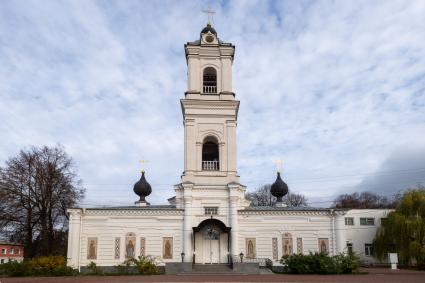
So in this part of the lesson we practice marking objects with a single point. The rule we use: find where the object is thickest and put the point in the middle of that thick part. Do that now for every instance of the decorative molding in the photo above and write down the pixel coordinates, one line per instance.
(133, 212)
(117, 248)
(250, 248)
(143, 246)
(167, 247)
(92, 248)
(282, 212)
(275, 249)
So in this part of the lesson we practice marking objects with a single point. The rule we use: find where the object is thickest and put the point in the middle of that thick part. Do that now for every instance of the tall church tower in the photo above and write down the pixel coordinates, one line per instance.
(210, 192)
(210, 112)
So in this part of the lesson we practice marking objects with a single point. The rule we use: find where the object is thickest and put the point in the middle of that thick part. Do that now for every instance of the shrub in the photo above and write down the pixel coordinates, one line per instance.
(320, 263)
(42, 266)
(145, 265)
(93, 269)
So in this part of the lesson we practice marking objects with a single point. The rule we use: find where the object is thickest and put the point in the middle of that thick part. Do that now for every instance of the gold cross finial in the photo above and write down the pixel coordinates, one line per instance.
(210, 13)
(278, 164)
(142, 161)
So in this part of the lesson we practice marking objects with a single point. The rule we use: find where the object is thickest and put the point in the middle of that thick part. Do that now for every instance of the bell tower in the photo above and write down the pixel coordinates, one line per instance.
(210, 190)
(210, 111)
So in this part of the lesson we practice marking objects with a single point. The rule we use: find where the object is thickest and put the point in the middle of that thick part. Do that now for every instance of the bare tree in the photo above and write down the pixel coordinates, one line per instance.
(263, 197)
(366, 200)
(38, 185)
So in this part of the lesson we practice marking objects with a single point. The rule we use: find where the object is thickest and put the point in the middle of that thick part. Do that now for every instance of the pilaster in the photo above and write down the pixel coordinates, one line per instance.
(187, 222)
(74, 234)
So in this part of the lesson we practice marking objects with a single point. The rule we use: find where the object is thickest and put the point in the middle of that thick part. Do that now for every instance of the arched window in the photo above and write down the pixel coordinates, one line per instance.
(210, 80)
(210, 154)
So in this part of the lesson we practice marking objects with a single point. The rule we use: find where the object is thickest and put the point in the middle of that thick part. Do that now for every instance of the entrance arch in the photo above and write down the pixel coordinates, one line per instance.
(211, 242)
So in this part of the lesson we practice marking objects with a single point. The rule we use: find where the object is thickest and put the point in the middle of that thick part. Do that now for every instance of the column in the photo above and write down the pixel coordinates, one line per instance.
(73, 252)
(187, 222)
(233, 220)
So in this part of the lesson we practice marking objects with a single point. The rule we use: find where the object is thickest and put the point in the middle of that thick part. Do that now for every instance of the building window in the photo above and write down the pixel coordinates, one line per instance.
(368, 249)
(211, 210)
(18, 251)
(349, 247)
(210, 81)
(210, 154)
(12, 251)
(367, 221)
(349, 221)
(3, 251)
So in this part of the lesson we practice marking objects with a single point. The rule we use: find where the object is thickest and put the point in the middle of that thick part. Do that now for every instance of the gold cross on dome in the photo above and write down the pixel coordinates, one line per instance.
(210, 13)
(143, 161)
(278, 164)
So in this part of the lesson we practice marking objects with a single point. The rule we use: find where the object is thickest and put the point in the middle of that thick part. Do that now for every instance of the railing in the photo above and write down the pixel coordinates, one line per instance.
(210, 89)
(210, 165)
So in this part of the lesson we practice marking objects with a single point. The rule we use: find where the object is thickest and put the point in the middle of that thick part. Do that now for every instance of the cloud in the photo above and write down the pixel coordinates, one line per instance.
(333, 88)
(403, 169)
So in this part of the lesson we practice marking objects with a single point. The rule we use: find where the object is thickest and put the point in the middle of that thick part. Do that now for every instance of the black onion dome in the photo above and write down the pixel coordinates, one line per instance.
(142, 188)
(279, 188)
(209, 28)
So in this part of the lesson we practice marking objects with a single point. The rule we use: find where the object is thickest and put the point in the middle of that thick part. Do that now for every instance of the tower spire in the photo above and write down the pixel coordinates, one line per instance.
(210, 14)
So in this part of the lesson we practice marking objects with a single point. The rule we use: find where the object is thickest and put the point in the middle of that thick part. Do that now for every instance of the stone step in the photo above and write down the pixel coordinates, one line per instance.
(212, 269)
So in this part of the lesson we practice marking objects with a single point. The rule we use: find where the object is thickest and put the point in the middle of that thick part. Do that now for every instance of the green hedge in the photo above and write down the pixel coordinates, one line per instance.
(42, 266)
(321, 263)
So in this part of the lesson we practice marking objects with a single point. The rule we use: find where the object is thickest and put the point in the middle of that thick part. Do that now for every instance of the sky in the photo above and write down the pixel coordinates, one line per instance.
(336, 89)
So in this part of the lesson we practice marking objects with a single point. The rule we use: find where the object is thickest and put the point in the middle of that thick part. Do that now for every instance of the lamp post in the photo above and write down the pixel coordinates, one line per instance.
(182, 255)
(241, 256)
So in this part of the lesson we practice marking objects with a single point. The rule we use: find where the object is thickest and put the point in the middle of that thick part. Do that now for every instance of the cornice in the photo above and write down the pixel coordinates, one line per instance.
(284, 212)
(135, 212)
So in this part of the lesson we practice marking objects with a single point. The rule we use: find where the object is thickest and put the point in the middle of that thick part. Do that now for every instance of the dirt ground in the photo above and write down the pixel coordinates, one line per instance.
(377, 275)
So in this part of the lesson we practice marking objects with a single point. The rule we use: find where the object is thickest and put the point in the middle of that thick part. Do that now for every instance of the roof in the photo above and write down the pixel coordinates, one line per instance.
(10, 243)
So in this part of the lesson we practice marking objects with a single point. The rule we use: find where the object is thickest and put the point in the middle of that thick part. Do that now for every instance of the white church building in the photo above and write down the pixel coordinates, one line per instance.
(209, 221)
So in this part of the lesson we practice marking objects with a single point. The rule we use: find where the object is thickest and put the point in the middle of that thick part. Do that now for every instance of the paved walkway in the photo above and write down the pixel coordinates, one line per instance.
(375, 275)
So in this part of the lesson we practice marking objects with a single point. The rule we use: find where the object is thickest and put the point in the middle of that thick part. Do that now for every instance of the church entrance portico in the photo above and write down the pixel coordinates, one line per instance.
(211, 242)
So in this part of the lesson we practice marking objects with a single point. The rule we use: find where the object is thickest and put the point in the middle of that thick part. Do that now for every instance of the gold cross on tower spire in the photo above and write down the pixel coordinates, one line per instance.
(210, 13)
(278, 164)
(142, 161)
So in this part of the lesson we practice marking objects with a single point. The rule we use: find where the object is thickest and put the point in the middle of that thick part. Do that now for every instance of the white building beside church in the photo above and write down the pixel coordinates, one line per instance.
(209, 220)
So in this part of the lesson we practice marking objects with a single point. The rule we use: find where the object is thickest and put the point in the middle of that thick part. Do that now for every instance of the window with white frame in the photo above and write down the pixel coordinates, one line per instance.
(3, 251)
(211, 210)
(367, 221)
(368, 249)
(349, 221)
(12, 251)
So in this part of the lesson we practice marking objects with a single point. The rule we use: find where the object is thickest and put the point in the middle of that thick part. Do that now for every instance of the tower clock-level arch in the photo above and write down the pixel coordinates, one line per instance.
(209, 80)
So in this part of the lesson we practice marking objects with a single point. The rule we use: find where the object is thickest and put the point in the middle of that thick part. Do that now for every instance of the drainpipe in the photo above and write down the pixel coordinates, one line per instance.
(79, 240)
(333, 232)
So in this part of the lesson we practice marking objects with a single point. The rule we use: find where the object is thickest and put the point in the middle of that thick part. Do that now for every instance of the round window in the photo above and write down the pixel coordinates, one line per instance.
(209, 38)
